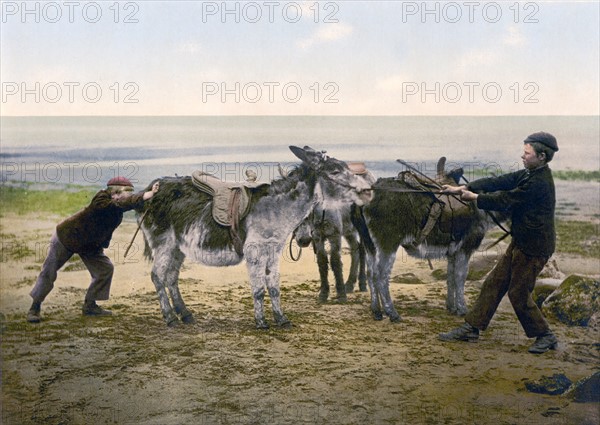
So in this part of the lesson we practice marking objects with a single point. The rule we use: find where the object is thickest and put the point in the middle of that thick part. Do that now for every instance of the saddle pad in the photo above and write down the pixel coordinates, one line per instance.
(223, 193)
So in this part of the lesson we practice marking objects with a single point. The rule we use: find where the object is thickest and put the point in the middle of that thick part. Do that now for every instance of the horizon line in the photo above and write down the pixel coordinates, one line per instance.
(283, 116)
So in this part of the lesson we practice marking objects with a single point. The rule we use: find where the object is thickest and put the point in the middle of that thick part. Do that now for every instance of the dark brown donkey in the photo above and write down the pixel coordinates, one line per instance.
(407, 211)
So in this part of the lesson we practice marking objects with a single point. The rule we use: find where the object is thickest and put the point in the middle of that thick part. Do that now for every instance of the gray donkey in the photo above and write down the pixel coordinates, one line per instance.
(329, 226)
(178, 223)
(399, 215)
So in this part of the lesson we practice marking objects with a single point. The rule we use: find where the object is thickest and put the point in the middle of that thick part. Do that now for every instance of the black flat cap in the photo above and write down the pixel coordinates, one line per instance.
(544, 138)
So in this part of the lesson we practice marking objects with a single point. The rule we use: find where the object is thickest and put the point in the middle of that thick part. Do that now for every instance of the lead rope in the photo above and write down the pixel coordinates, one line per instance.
(290, 248)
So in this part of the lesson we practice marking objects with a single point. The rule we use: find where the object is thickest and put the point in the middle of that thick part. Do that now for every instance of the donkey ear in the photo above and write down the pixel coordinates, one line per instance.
(441, 166)
(308, 155)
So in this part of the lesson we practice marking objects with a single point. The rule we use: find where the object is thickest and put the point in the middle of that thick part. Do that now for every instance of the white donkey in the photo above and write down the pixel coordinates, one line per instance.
(179, 224)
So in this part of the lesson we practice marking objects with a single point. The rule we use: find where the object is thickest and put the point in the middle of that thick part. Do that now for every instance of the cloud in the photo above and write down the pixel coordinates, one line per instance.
(493, 54)
(393, 83)
(478, 58)
(190, 48)
(326, 34)
(514, 37)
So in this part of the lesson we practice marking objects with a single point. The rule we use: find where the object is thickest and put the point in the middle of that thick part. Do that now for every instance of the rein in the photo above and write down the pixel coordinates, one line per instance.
(399, 190)
(436, 184)
(135, 234)
(496, 222)
(290, 248)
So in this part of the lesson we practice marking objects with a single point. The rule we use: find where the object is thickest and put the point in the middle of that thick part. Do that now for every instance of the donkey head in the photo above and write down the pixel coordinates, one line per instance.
(448, 177)
(335, 178)
(304, 233)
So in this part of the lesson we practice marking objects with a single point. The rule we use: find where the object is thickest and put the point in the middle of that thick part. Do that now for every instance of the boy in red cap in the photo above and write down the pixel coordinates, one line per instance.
(530, 196)
(87, 233)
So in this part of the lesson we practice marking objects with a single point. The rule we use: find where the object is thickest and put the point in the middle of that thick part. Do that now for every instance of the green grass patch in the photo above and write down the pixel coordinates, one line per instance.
(64, 202)
(578, 237)
(15, 250)
(588, 176)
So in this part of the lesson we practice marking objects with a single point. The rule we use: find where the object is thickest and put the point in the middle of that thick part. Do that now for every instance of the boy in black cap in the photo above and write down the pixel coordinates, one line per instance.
(529, 195)
(87, 233)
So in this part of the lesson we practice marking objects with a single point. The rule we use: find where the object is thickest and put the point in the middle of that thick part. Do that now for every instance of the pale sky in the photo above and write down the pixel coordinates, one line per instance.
(300, 58)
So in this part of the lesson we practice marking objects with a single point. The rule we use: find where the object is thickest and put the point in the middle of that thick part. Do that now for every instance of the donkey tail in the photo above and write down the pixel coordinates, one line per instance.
(358, 220)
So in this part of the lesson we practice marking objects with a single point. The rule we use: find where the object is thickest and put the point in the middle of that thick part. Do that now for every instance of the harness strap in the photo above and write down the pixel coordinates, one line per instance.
(234, 218)
(494, 219)
(434, 214)
(401, 190)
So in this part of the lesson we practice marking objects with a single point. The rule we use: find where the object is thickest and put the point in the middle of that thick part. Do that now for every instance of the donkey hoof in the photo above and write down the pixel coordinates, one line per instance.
(188, 319)
(262, 325)
(323, 297)
(285, 324)
(395, 318)
(461, 311)
(341, 298)
(362, 288)
(457, 311)
(172, 321)
(377, 315)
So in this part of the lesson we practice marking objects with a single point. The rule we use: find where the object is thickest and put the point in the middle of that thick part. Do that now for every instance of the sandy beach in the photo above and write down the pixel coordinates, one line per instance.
(335, 365)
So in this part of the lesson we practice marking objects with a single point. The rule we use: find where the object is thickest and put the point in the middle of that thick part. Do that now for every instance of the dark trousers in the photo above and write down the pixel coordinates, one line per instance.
(515, 274)
(98, 264)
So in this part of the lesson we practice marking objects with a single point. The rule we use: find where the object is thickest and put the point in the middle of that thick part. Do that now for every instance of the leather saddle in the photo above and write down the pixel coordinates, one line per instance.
(230, 201)
(357, 168)
(448, 212)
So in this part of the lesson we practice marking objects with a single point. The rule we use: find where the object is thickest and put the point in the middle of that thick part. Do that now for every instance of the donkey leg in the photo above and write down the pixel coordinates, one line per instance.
(450, 284)
(272, 282)
(371, 276)
(382, 283)
(264, 273)
(173, 285)
(460, 268)
(362, 261)
(354, 263)
(159, 276)
(337, 268)
(323, 264)
(256, 272)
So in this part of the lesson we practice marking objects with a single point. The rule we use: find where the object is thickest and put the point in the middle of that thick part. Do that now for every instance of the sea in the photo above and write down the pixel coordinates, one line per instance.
(91, 150)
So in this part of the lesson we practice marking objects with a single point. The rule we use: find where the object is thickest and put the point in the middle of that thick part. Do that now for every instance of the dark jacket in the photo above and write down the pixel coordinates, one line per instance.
(530, 197)
(91, 229)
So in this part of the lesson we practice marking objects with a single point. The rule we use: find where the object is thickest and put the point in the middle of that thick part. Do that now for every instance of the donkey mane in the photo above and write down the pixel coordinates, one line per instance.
(287, 184)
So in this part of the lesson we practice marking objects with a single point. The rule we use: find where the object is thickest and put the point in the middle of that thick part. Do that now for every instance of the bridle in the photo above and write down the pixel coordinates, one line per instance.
(319, 200)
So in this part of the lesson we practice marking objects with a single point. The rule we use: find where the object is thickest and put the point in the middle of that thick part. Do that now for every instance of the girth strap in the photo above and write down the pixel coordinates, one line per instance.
(434, 215)
(234, 219)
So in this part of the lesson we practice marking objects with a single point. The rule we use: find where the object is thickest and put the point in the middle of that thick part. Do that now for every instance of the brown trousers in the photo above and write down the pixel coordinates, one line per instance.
(98, 264)
(515, 273)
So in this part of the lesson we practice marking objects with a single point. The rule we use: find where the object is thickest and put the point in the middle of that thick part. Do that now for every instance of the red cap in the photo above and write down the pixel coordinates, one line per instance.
(119, 181)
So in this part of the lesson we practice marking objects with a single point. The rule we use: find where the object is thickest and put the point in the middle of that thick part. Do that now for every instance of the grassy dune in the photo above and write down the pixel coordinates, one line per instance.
(62, 202)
